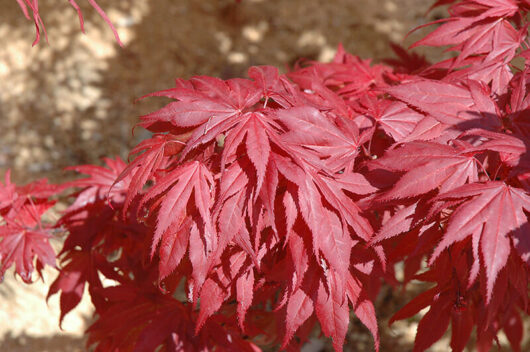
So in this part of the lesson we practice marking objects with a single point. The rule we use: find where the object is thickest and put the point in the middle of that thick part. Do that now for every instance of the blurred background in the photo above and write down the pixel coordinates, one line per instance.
(72, 101)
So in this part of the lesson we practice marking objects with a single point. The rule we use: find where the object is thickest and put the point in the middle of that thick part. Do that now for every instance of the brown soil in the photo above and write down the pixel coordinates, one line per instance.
(71, 101)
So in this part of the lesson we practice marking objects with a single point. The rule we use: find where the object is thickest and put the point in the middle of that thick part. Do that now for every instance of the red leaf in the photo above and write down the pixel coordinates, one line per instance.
(23, 237)
(461, 327)
(258, 147)
(22, 246)
(449, 103)
(400, 222)
(245, 288)
(102, 183)
(189, 114)
(299, 308)
(495, 210)
(173, 246)
(329, 236)
(300, 258)
(514, 330)
(479, 27)
(175, 190)
(71, 282)
(309, 128)
(8, 192)
(395, 118)
(205, 102)
(433, 324)
(144, 166)
(199, 261)
(413, 307)
(332, 190)
(365, 311)
(363, 308)
(212, 296)
(332, 310)
(429, 165)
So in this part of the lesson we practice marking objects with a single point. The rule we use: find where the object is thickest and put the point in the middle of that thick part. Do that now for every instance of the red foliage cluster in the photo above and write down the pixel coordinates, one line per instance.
(280, 201)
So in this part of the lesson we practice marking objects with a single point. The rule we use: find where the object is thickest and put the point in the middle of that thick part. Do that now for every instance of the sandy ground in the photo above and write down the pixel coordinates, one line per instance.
(72, 101)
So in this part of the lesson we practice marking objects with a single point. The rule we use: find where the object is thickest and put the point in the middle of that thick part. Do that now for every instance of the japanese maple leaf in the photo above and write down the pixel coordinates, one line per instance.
(348, 75)
(520, 106)
(400, 222)
(205, 102)
(395, 118)
(494, 213)
(494, 72)
(329, 234)
(21, 246)
(479, 27)
(245, 292)
(103, 15)
(433, 325)
(142, 168)
(254, 130)
(24, 238)
(101, 183)
(451, 104)
(299, 308)
(236, 267)
(174, 244)
(72, 280)
(234, 207)
(406, 61)
(332, 309)
(363, 307)
(39, 189)
(336, 143)
(175, 190)
(272, 85)
(333, 191)
(231, 223)
(429, 165)
(511, 147)
(329, 297)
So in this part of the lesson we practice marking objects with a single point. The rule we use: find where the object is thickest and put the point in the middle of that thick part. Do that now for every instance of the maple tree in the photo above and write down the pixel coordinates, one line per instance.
(279, 202)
